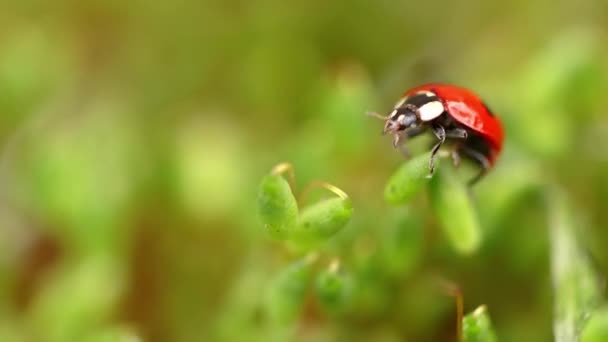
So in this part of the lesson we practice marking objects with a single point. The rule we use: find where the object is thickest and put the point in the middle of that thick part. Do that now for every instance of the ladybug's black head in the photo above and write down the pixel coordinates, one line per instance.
(400, 119)
(411, 112)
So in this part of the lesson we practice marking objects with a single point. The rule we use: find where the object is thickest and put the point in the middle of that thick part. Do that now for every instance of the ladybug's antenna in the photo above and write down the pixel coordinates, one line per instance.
(377, 116)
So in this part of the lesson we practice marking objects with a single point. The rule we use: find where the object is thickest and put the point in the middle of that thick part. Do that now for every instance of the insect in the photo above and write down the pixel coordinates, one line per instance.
(453, 114)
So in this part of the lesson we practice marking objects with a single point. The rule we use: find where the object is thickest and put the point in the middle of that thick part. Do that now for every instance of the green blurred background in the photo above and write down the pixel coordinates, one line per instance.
(134, 135)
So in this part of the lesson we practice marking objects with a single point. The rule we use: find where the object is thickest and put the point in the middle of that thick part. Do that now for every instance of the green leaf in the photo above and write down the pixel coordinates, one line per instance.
(576, 285)
(287, 291)
(321, 220)
(277, 206)
(455, 211)
(476, 326)
(408, 180)
(596, 330)
(333, 287)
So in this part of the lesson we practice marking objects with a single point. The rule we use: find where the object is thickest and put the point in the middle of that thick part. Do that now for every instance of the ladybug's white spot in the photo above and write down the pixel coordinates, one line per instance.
(430, 110)
(427, 93)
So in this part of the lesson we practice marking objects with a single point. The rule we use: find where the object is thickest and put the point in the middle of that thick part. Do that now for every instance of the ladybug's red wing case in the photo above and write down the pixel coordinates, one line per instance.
(468, 109)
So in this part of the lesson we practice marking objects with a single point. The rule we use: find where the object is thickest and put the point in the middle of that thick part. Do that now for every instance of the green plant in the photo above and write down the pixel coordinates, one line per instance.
(477, 326)
(575, 283)
(308, 228)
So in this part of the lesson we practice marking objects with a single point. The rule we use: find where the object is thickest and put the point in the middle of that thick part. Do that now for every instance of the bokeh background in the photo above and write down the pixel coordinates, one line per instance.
(134, 135)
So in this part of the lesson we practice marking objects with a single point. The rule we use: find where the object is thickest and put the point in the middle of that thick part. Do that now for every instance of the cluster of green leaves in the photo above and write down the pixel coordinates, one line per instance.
(450, 200)
(302, 230)
(278, 210)
(576, 284)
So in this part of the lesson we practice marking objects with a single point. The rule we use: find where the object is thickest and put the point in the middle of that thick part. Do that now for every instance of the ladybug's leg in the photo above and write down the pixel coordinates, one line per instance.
(408, 133)
(456, 133)
(439, 132)
(396, 139)
(483, 161)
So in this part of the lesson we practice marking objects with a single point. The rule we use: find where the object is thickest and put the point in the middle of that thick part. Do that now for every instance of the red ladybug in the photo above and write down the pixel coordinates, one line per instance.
(454, 114)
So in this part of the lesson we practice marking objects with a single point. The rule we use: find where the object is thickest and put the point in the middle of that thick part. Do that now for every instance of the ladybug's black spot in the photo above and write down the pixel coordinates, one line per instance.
(421, 99)
(487, 108)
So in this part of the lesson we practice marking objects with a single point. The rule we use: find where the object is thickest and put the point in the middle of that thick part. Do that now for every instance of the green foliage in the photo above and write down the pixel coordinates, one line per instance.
(576, 284)
(450, 200)
(86, 295)
(136, 201)
(334, 287)
(402, 245)
(408, 180)
(278, 209)
(476, 326)
(546, 87)
(596, 329)
(320, 221)
(455, 211)
(287, 291)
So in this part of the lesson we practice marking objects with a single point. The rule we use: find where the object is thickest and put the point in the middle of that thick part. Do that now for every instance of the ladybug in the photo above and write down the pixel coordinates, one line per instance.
(453, 114)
